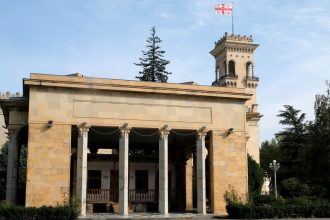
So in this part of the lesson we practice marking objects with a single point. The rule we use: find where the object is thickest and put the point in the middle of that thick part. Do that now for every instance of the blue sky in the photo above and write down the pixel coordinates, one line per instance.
(103, 38)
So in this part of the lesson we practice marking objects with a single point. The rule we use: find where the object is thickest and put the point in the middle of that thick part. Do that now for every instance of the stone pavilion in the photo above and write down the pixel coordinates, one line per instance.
(137, 146)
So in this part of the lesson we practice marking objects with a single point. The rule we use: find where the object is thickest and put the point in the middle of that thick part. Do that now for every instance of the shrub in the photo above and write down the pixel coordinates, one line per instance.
(247, 211)
(262, 199)
(292, 187)
(45, 212)
(302, 201)
(231, 196)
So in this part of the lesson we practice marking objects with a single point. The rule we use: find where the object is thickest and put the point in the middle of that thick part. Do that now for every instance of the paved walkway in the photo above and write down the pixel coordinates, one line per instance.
(171, 216)
(146, 216)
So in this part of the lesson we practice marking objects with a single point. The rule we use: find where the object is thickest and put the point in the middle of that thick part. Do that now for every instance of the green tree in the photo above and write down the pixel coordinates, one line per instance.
(153, 64)
(292, 141)
(255, 177)
(318, 148)
(3, 170)
(269, 151)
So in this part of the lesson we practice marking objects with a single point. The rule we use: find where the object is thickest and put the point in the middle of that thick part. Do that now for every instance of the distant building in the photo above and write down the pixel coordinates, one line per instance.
(3, 130)
(138, 145)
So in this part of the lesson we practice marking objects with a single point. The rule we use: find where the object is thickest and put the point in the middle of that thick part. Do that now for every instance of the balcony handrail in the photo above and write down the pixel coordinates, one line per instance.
(134, 196)
(254, 78)
(99, 195)
(229, 77)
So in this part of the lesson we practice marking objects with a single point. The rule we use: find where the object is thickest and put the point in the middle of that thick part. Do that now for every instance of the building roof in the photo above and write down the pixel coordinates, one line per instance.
(78, 81)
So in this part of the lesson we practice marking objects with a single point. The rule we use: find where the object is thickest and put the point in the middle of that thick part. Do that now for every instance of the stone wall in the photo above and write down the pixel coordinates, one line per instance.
(48, 167)
(228, 166)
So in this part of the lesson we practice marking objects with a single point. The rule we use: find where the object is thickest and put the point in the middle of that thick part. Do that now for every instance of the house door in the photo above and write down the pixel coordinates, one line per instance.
(114, 185)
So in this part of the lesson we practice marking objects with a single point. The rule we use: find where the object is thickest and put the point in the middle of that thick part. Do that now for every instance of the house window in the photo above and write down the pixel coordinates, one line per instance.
(94, 179)
(141, 181)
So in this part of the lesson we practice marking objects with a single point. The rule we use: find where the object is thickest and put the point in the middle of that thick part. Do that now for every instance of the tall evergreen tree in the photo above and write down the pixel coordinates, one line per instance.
(153, 64)
(255, 176)
(269, 151)
(291, 142)
(318, 147)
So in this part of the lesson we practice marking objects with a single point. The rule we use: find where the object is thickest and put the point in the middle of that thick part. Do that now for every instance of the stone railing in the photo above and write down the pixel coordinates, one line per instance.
(234, 37)
(253, 78)
(7, 95)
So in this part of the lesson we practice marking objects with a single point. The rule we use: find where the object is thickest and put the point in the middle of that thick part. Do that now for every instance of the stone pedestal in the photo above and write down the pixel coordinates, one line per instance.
(163, 171)
(123, 170)
(12, 168)
(82, 168)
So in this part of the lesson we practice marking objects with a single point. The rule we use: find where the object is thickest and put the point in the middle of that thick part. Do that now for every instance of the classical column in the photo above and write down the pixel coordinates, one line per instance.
(200, 159)
(82, 168)
(189, 183)
(163, 170)
(123, 170)
(227, 68)
(12, 167)
(252, 66)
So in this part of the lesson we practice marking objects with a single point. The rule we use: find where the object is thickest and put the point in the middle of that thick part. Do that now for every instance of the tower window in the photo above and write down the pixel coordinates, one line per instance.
(231, 67)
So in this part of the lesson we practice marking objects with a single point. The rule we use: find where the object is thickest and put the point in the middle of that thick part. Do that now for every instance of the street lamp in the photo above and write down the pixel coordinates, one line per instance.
(275, 166)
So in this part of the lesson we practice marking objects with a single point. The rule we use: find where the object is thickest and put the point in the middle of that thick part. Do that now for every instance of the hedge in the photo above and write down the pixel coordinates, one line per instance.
(45, 212)
(240, 211)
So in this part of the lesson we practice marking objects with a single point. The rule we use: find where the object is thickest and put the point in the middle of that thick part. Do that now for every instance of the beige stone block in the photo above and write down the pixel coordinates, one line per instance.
(48, 178)
(228, 163)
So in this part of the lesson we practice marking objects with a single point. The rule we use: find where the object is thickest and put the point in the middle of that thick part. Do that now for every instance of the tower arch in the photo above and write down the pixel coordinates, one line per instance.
(249, 69)
(232, 68)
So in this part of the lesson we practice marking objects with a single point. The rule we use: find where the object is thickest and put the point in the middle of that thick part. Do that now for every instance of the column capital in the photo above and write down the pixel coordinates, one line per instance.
(83, 130)
(164, 132)
(124, 129)
(202, 132)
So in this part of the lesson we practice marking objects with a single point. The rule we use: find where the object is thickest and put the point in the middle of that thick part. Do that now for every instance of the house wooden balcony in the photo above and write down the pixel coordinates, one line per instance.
(134, 196)
(101, 196)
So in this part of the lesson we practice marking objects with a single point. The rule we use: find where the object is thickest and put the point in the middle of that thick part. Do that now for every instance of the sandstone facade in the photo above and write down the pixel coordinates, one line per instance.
(223, 118)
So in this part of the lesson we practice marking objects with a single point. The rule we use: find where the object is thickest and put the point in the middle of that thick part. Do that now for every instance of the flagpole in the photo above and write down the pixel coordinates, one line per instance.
(232, 18)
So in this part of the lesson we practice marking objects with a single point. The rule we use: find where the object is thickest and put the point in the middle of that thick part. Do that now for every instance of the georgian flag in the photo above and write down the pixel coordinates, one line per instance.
(224, 9)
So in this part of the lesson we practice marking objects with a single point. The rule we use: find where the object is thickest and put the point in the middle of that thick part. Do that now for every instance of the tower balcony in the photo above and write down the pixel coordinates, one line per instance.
(226, 81)
(251, 81)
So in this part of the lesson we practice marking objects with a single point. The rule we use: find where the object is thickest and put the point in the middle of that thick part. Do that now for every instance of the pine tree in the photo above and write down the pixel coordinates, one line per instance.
(152, 62)
(291, 142)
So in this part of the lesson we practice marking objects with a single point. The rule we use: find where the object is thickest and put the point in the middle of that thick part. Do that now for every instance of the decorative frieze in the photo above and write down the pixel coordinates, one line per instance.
(144, 96)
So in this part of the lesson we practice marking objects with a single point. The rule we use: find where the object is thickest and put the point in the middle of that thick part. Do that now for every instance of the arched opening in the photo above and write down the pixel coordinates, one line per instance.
(224, 69)
(249, 67)
(231, 66)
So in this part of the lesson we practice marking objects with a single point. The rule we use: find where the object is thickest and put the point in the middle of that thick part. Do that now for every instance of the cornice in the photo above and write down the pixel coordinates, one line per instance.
(253, 116)
(86, 83)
